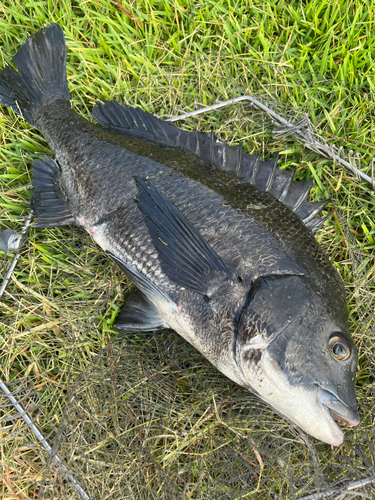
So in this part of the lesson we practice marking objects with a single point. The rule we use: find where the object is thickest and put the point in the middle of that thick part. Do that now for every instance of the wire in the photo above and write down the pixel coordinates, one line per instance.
(301, 131)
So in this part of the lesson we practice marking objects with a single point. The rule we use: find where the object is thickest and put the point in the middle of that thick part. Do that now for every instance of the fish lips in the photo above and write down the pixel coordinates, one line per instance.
(314, 410)
(338, 410)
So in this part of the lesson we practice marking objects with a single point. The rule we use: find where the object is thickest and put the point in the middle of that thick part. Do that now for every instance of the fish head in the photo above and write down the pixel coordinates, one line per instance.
(294, 348)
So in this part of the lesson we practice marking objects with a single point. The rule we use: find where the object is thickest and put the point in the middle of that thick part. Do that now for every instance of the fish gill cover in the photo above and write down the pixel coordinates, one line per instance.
(150, 417)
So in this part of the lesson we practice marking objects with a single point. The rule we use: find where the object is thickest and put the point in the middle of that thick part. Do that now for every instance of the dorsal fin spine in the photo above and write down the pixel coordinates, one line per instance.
(255, 170)
(315, 224)
(152, 127)
(319, 207)
(212, 147)
(224, 150)
(304, 195)
(272, 173)
(142, 120)
(239, 160)
(287, 185)
(197, 146)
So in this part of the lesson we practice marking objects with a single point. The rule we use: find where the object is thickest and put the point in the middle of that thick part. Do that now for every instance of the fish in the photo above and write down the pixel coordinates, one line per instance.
(219, 244)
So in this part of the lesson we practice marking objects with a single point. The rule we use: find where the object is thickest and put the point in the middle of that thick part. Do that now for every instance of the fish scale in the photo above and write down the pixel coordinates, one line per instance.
(219, 243)
(195, 200)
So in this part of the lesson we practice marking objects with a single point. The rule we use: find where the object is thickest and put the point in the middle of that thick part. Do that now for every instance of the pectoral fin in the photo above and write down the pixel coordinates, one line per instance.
(185, 256)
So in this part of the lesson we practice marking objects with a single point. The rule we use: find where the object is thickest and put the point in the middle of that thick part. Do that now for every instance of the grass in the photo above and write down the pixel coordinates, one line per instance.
(315, 57)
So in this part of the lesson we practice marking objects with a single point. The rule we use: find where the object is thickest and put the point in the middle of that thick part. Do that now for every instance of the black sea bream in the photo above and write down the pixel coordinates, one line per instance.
(219, 244)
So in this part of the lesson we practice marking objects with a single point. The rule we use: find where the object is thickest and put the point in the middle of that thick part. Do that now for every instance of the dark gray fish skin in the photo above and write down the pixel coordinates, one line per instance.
(270, 302)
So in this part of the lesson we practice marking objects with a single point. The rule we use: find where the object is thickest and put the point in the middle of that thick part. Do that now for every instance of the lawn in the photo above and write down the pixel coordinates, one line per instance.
(147, 416)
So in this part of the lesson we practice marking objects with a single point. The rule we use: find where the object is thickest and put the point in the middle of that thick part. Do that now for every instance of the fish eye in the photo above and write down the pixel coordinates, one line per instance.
(339, 348)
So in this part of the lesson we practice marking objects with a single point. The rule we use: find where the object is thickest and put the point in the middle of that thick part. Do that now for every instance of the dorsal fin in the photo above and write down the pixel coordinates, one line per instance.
(265, 175)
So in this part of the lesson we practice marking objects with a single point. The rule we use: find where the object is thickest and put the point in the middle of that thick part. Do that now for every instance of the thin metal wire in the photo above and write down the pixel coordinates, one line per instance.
(300, 131)
(350, 487)
(16, 257)
(14, 401)
(43, 441)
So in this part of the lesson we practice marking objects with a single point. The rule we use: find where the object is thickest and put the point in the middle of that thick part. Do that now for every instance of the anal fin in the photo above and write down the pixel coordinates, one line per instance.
(139, 315)
(49, 202)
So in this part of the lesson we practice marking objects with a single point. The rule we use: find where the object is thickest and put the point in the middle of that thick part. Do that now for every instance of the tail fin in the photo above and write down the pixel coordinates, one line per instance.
(41, 75)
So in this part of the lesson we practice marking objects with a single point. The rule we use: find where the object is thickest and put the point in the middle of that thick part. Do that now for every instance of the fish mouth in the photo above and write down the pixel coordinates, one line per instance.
(315, 410)
(342, 420)
(336, 409)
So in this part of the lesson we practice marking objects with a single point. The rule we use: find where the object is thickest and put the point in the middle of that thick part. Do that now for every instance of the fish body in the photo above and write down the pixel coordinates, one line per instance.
(220, 245)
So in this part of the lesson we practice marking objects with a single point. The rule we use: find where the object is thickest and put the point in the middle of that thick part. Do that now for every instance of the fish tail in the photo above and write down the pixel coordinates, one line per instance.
(41, 76)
